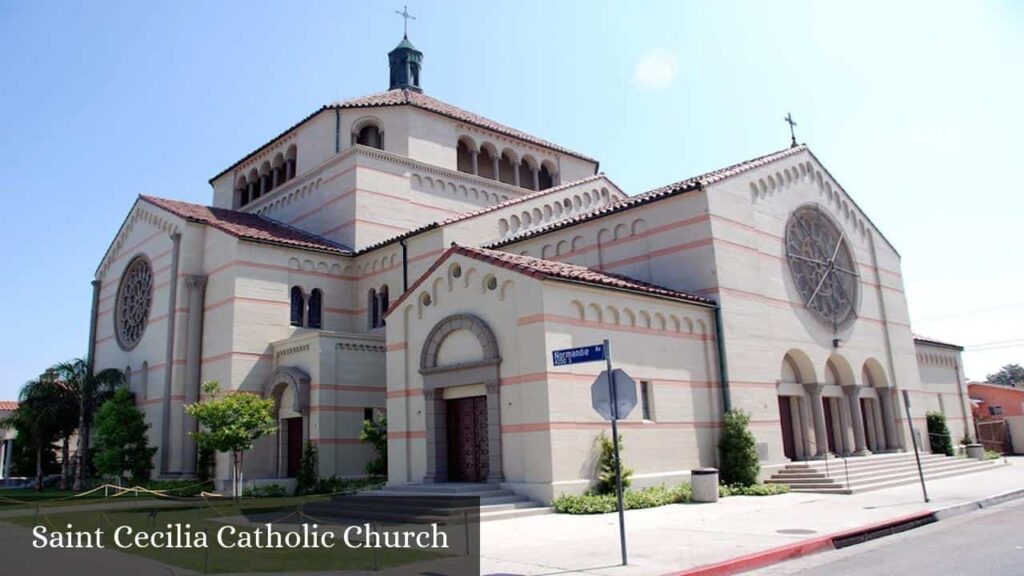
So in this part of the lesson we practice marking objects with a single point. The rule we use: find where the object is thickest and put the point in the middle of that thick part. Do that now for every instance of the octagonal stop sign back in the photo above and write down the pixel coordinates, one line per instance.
(625, 393)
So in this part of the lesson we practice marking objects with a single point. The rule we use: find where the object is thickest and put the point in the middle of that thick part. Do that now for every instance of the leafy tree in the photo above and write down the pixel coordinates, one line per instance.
(231, 423)
(91, 390)
(307, 477)
(376, 434)
(122, 448)
(204, 464)
(938, 434)
(606, 467)
(44, 408)
(1009, 375)
(737, 451)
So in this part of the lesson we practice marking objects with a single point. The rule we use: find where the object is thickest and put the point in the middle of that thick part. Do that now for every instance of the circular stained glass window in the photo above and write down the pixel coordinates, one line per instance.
(822, 266)
(134, 299)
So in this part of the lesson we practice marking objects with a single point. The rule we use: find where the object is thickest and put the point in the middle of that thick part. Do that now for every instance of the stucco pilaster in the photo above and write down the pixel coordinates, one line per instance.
(856, 415)
(195, 286)
(818, 415)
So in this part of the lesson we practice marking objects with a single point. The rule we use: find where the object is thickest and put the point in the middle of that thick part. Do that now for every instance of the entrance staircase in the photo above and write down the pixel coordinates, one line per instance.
(428, 503)
(864, 473)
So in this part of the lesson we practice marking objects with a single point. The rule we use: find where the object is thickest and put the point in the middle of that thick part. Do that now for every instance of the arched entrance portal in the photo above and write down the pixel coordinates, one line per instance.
(459, 364)
(289, 387)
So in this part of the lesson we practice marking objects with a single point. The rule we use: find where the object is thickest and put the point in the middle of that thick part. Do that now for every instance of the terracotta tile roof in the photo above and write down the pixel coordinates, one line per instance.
(481, 211)
(551, 270)
(683, 186)
(934, 342)
(399, 97)
(247, 226)
(8, 405)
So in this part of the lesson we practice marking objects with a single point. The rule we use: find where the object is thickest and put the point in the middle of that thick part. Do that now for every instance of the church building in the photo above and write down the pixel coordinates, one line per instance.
(395, 255)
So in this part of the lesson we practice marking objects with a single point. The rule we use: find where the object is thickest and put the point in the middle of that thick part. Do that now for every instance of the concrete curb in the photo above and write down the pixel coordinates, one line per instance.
(844, 538)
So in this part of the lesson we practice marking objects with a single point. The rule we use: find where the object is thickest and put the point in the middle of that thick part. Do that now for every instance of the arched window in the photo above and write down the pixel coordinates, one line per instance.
(383, 300)
(242, 191)
(465, 157)
(254, 185)
(526, 175)
(289, 162)
(372, 312)
(277, 170)
(298, 302)
(545, 178)
(485, 164)
(266, 179)
(506, 169)
(371, 136)
(315, 314)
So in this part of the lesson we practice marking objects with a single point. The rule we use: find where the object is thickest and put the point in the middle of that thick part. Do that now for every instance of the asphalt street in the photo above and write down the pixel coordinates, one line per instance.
(983, 543)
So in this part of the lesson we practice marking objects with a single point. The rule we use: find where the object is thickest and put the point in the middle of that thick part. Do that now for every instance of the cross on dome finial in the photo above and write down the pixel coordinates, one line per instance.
(792, 133)
(406, 17)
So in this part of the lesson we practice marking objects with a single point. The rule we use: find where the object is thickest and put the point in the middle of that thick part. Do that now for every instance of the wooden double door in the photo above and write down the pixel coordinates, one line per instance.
(468, 450)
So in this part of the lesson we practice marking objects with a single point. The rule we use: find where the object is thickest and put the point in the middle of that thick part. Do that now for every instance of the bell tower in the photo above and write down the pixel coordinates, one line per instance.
(405, 61)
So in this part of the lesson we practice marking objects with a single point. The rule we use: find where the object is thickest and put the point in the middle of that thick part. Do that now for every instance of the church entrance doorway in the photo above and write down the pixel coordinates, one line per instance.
(786, 418)
(468, 442)
(293, 446)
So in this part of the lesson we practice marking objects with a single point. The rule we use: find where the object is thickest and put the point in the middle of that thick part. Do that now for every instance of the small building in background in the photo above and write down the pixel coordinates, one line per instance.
(6, 439)
(998, 416)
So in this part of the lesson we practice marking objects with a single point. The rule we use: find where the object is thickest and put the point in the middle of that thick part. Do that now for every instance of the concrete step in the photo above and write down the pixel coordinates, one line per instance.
(895, 472)
(861, 463)
(857, 474)
(536, 510)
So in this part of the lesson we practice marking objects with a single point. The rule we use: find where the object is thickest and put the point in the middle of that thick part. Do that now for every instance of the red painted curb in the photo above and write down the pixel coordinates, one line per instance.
(790, 551)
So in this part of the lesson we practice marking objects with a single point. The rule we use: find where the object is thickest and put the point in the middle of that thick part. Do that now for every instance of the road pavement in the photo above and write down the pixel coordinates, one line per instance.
(990, 541)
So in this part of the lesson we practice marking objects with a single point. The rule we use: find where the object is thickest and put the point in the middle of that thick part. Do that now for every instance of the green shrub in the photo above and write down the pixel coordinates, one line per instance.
(992, 455)
(122, 445)
(753, 490)
(335, 485)
(631, 499)
(265, 491)
(307, 476)
(938, 434)
(376, 434)
(606, 467)
(737, 450)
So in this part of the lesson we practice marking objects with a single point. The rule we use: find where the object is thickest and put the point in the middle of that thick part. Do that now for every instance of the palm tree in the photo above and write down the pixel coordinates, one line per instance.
(90, 390)
(66, 410)
(45, 411)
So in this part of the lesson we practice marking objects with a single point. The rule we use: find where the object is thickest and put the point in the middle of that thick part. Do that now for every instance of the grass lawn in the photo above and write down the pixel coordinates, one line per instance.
(28, 498)
(215, 559)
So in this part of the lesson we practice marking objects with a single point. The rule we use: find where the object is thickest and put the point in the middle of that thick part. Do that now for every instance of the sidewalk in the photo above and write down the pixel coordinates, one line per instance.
(683, 536)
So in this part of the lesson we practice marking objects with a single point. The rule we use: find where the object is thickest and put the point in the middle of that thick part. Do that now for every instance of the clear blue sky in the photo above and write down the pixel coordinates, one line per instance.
(916, 108)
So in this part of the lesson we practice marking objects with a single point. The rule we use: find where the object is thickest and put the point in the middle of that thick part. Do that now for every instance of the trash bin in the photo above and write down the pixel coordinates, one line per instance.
(705, 484)
(976, 451)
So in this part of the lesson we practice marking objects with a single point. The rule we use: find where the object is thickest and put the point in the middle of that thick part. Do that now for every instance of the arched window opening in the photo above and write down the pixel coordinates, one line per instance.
(384, 303)
(254, 185)
(372, 310)
(527, 176)
(486, 164)
(289, 162)
(545, 178)
(371, 136)
(277, 171)
(506, 169)
(465, 158)
(266, 179)
(297, 306)
(314, 319)
(242, 191)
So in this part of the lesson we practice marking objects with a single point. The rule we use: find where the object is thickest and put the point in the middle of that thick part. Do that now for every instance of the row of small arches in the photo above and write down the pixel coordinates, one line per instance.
(462, 191)
(929, 358)
(457, 277)
(306, 310)
(608, 314)
(149, 218)
(803, 172)
(604, 236)
(484, 160)
(296, 194)
(552, 211)
(272, 173)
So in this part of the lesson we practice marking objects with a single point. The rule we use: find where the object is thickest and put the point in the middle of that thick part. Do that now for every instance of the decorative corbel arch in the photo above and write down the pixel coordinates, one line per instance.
(469, 322)
(293, 378)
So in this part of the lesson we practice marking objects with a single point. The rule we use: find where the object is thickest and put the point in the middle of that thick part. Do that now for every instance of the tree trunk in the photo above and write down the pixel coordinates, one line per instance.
(39, 468)
(80, 455)
(65, 463)
(236, 472)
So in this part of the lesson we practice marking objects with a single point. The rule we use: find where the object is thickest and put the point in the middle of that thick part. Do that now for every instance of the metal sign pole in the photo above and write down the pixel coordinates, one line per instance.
(615, 444)
(913, 438)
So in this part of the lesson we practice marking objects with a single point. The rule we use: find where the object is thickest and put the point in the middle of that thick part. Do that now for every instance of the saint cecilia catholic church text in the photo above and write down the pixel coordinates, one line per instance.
(178, 535)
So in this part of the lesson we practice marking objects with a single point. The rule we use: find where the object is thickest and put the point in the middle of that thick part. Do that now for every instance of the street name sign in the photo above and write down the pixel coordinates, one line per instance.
(578, 355)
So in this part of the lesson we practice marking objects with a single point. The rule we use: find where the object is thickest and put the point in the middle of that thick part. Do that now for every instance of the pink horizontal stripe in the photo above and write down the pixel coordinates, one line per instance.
(407, 435)
(348, 387)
